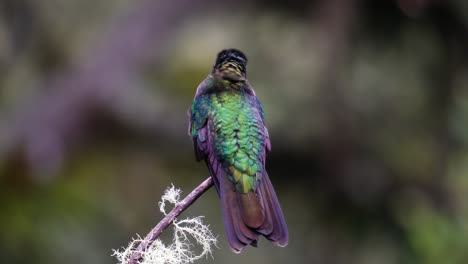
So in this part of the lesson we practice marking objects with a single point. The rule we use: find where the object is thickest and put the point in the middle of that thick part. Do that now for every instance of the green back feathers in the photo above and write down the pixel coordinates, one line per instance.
(235, 121)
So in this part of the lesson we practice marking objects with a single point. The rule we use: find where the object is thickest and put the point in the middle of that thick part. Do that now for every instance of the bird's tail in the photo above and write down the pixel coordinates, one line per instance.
(247, 216)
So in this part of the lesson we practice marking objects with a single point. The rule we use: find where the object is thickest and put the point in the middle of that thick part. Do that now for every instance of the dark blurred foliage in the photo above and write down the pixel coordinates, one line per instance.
(366, 103)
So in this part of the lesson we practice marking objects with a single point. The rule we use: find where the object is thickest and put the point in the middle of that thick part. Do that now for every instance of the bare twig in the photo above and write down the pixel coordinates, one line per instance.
(168, 219)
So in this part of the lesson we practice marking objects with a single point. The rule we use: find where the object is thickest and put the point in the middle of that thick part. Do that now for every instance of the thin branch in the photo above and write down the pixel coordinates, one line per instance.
(168, 219)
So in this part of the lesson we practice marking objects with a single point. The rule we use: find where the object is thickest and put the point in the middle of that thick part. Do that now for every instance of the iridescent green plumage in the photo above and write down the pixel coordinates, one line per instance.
(228, 130)
(237, 120)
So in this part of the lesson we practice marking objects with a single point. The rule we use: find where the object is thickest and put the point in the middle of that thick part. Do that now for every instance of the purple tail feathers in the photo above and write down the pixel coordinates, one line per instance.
(247, 216)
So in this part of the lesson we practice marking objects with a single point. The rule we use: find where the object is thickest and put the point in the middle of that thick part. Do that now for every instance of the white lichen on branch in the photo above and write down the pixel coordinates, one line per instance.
(182, 249)
(171, 195)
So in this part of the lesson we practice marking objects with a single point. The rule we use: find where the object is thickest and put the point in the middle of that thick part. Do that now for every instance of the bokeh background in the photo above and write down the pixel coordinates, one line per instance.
(366, 103)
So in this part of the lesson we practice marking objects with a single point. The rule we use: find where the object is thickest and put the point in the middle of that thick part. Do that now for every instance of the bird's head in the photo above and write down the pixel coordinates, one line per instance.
(231, 61)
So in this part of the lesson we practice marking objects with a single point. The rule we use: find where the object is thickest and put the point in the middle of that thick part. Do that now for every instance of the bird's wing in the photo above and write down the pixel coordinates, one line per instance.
(198, 130)
(262, 115)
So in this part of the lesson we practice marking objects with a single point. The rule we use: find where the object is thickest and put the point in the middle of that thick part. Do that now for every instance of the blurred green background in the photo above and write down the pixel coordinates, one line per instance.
(366, 104)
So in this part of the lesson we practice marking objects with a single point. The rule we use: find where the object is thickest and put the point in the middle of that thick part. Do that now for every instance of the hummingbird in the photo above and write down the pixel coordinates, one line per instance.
(227, 126)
